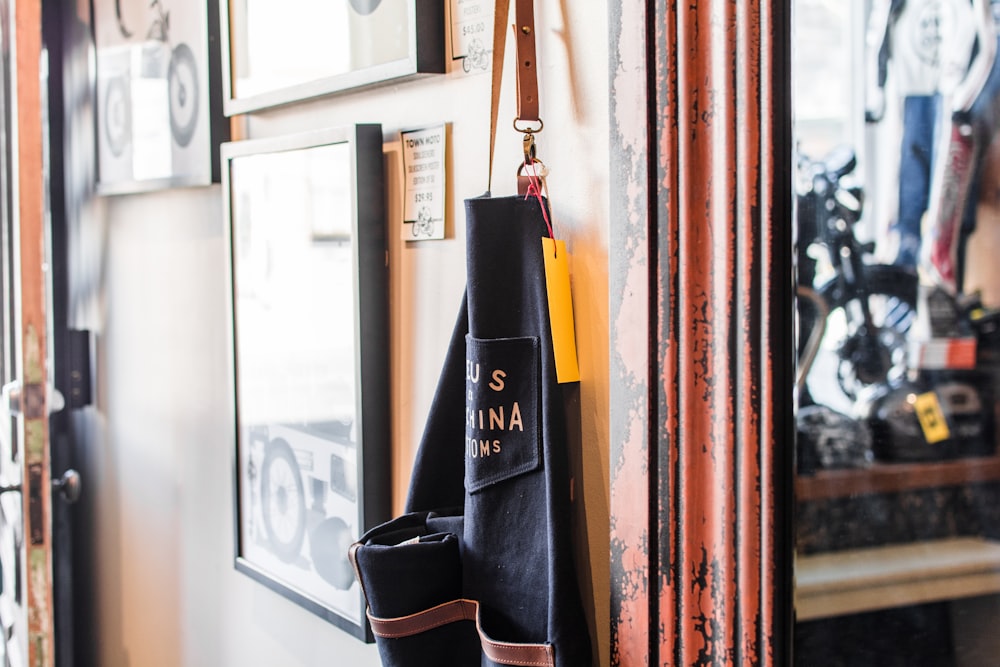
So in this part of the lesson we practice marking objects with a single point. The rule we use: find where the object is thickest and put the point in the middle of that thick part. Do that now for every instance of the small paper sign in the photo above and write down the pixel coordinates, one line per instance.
(423, 184)
(472, 33)
(931, 418)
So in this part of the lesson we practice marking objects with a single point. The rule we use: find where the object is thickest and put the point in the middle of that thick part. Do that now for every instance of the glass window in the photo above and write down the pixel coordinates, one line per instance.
(897, 209)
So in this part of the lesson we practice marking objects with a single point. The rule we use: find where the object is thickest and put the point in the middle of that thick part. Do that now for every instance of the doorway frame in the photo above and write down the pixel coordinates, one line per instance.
(702, 351)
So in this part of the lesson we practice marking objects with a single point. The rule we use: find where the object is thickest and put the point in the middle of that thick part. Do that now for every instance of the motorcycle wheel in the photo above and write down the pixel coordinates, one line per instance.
(866, 357)
(283, 502)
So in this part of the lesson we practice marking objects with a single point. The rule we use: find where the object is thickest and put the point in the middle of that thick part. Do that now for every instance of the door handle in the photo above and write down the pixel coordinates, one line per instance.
(69, 486)
(13, 398)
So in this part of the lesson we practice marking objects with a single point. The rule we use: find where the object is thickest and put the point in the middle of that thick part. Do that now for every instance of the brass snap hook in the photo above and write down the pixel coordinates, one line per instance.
(528, 144)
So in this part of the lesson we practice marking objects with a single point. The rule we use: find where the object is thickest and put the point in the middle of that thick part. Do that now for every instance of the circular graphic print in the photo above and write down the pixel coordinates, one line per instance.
(117, 116)
(182, 86)
(933, 23)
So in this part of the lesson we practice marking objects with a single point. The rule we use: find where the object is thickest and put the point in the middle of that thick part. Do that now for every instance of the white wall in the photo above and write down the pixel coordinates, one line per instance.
(150, 281)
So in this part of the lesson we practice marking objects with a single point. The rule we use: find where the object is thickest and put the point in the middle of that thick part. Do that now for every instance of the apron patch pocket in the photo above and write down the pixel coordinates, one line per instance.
(502, 398)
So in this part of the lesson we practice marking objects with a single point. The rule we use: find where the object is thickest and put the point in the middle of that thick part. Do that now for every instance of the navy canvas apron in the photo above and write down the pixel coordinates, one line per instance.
(480, 570)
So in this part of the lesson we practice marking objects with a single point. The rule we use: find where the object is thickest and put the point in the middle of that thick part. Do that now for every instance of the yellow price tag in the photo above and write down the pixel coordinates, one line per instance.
(560, 310)
(931, 418)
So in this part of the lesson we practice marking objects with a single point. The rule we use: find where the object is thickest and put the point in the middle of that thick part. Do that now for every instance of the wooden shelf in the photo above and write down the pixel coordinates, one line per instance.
(895, 477)
(857, 580)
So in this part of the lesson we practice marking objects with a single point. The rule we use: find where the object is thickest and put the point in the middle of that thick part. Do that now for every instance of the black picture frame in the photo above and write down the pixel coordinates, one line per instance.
(274, 56)
(159, 119)
(306, 232)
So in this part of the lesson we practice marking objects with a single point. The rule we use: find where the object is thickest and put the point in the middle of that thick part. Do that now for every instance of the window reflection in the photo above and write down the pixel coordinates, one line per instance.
(897, 180)
(282, 49)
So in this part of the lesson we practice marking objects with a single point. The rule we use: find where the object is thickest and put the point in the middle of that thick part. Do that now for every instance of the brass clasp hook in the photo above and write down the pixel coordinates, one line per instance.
(528, 143)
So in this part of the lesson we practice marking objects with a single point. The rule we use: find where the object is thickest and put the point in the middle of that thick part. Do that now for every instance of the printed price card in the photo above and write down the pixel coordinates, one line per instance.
(557, 287)
(472, 33)
(931, 418)
(423, 183)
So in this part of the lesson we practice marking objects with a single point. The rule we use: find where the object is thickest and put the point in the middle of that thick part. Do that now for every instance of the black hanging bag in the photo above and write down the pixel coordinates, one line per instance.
(480, 570)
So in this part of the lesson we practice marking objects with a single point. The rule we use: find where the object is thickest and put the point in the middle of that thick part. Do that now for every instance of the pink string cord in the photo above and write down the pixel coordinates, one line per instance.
(535, 190)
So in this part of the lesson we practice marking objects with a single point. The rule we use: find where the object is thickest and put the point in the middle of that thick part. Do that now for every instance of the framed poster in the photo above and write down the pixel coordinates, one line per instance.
(307, 244)
(159, 120)
(281, 52)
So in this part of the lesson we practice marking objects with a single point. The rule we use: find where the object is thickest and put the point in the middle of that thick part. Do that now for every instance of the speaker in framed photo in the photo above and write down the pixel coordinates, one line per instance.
(159, 103)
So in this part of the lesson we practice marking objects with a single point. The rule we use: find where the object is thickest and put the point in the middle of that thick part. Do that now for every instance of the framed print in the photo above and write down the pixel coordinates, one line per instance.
(159, 118)
(307, 247)
(281, 52)
(424, 153)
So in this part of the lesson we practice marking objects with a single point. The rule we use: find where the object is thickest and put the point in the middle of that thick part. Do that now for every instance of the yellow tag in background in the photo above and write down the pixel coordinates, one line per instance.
(931, 418)
(561, 310)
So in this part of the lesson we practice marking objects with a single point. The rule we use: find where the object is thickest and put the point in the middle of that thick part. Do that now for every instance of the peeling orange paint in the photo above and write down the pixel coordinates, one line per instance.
(708, 556)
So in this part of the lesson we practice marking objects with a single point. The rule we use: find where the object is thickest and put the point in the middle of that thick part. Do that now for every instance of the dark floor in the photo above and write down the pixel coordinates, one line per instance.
(917, 636)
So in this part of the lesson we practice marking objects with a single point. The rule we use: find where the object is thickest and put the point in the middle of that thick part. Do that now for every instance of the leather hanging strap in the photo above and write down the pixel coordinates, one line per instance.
(504, 653)
(527, 77)
(500, 12)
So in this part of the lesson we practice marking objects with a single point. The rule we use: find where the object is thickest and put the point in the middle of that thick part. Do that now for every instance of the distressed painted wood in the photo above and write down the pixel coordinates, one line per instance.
(711, 445)
(36, 487)
(632, 585)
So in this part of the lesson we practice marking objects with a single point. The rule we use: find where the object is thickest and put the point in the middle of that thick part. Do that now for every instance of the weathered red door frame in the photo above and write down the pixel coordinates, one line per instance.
(701, 341)
(31, 219)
